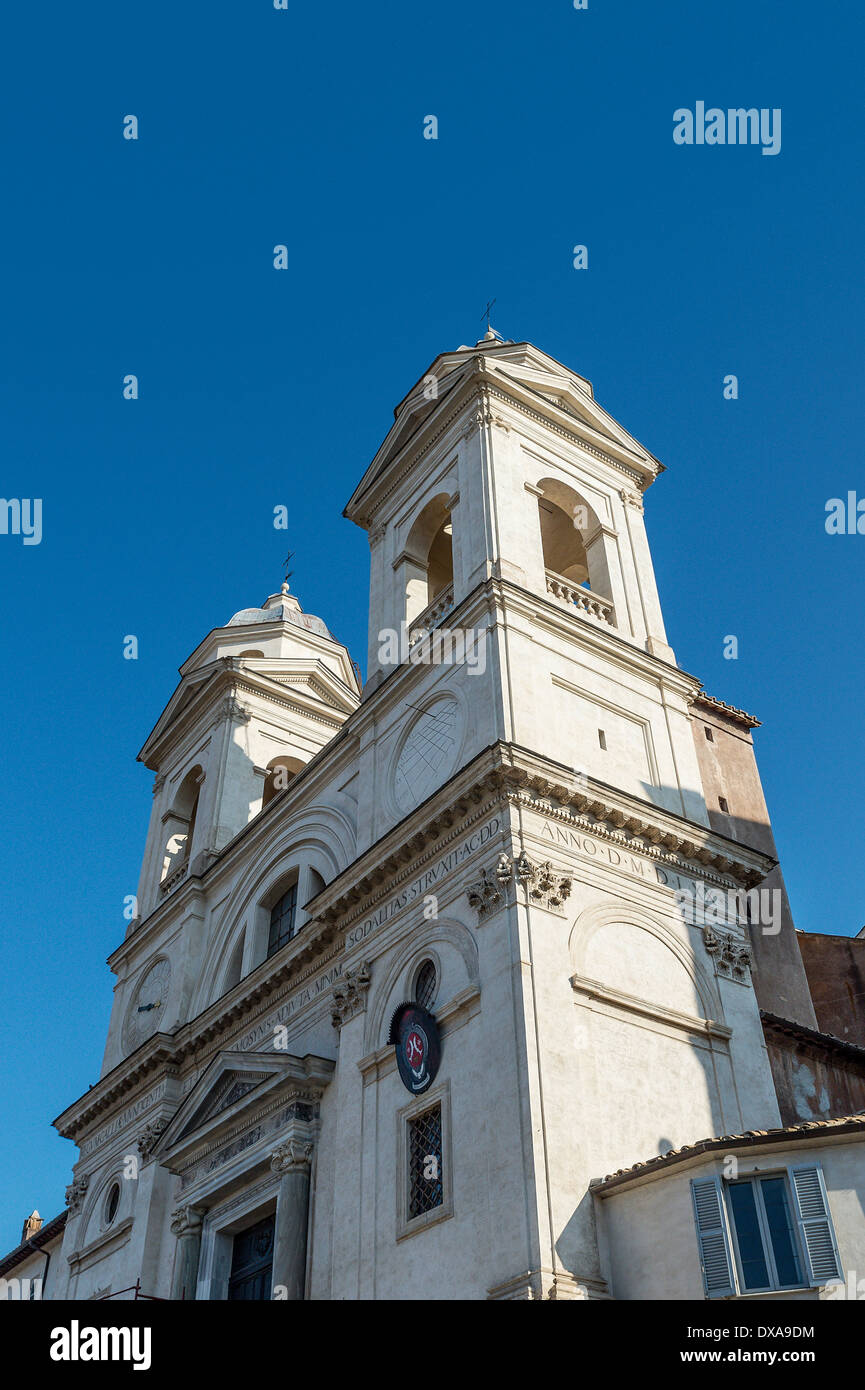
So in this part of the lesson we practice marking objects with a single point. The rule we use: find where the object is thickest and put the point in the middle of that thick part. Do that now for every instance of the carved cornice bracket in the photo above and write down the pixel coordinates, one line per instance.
(186, 1222)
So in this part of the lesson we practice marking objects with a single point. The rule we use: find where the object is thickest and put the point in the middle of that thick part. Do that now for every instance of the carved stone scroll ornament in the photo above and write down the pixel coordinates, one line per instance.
(732, 957)
(149, 1136)
(75, 1194)
(349, 994)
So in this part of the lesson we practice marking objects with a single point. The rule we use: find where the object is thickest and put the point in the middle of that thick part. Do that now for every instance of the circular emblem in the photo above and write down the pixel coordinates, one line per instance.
(418, 1047)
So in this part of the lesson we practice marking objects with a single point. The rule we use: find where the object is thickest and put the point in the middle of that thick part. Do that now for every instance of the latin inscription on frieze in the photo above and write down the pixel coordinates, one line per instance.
(600, 852)
(434, 875)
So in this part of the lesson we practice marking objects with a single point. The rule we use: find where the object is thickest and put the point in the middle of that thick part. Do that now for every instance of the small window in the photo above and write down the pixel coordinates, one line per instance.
(112, 1202)
(602, 738)
(708, 732)
(723, 805)
(282, 916)
(425, 1160)
(766, 1245)
(425, 985)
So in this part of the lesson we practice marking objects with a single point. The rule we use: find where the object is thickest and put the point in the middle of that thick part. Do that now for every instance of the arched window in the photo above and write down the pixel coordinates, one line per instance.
(280, 771)
(252, 653)
(283, 915)
(425, 985)
(428, 562)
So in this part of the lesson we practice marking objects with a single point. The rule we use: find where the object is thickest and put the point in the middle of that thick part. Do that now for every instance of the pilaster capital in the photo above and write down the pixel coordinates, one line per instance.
(349, 994)
(545, 886)
(631, 499)
(75, 1193)
(186, 1222)
(294, 1156)
(731, 956)
(149, 1136)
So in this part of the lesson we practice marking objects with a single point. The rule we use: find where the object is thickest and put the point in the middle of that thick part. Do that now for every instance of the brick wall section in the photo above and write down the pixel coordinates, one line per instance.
(816, 1077)
(835, 967)
(728, 768)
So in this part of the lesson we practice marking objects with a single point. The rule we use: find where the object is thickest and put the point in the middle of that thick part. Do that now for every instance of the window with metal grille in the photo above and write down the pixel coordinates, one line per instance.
(425, 1177)
(282, 921)
(425, 985)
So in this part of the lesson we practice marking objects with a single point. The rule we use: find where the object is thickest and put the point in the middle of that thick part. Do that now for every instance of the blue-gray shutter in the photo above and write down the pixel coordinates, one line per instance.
(815, 1224)
(712, 1237)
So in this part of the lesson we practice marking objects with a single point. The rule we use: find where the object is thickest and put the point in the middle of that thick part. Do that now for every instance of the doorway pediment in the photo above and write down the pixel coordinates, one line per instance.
(234, 1091)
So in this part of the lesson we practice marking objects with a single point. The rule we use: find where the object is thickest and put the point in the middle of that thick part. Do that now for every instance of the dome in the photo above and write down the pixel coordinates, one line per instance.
(281, 608)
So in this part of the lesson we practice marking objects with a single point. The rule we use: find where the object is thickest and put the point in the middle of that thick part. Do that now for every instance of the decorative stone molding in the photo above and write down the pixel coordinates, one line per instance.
(631, 499)
(732, 957)
(377, 533)
(485, 894)
(294, 1156)
(349, 994)
(232, 708)
(158, 783)
(546, 887)
(186, 1222)
(75, 1194)
(149, 1136)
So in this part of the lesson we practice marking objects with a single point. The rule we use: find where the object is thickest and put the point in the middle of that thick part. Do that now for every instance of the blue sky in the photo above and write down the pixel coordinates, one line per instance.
(259, 387)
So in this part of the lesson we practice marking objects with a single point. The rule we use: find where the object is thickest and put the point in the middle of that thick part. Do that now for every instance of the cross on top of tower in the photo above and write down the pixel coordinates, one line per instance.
(491, 336)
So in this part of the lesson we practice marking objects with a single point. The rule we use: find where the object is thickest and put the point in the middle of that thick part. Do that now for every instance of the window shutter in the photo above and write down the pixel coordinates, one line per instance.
(815, 1224)
(712, 1236)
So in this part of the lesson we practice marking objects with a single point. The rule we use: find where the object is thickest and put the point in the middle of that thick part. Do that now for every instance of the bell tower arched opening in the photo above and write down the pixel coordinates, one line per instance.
(428, 558)
(575, 549)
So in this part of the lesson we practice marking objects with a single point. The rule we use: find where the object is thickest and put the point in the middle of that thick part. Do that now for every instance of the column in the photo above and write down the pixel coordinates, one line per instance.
(186, 1226)
(293, 1161)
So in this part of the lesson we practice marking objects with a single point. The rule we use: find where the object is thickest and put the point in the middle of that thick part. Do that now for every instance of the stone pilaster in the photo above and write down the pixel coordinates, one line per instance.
(186, 1227)
(293, 1161)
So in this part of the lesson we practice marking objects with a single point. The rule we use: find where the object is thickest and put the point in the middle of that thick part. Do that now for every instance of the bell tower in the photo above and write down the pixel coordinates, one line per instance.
(256, 700)
(506, 501)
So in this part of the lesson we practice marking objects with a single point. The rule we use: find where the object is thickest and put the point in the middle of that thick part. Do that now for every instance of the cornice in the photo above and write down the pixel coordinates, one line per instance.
(203, 1036)
(739, 716)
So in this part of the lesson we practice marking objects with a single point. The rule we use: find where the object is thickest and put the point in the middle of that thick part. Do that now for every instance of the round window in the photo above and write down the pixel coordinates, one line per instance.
(112, 1202)
(425, 985)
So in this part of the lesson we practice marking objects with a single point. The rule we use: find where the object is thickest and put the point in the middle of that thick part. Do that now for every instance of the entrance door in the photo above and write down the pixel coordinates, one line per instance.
(252, 1262)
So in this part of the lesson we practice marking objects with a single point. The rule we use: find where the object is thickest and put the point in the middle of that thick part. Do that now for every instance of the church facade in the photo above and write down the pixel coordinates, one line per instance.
(488, 963)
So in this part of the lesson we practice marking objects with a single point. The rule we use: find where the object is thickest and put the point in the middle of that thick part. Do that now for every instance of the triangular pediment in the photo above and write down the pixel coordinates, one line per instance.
(532, 376)
(234, 1086)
